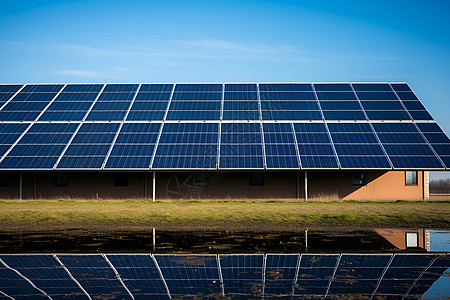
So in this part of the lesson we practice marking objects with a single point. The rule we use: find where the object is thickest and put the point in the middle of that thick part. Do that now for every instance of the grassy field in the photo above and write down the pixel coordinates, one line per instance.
(217, 213)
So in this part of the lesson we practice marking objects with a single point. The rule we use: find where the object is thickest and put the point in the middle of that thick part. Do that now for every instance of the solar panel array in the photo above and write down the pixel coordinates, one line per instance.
(143, 276)
(218, 126)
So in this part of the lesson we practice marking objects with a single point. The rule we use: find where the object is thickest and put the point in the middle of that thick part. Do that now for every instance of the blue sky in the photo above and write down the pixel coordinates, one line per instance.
(231, 41)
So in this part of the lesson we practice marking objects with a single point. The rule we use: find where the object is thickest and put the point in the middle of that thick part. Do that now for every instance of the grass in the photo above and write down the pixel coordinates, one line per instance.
(184, 213)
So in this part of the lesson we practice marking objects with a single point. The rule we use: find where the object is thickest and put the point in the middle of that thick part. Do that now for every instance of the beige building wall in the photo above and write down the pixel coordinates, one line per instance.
(219, 185)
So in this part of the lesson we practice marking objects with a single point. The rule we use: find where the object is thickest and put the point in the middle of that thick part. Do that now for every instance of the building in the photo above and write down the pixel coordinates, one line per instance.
(355, 141)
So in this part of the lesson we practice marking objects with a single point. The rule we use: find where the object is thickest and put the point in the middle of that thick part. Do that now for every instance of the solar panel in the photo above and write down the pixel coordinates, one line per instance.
(89, 146)
(242, 274)
(113, 102)
(46, 273)
(315, 274)
(95, 275)
(195, 102)
(150, 103)
(187, 146)
(240, 102)
(405, 146)
(190, 275)
(438, 140)
(280, 274)
(7, 91)
(13, 285)
(29, 102)
(314, 146)
(9, 133)
(72, 103)
(140, 274)
(248, 126)
(280, 146)
(357, 146)
(241, 146)
(40, 147)
(134, 146)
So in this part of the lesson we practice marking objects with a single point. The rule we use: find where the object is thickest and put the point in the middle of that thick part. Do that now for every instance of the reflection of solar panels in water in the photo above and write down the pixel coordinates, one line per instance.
(234, 275)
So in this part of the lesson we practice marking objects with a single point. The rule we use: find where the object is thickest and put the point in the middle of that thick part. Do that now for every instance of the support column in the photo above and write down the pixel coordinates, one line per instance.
(20, 186)
(154, 186)
(426, 185)
(306, 186)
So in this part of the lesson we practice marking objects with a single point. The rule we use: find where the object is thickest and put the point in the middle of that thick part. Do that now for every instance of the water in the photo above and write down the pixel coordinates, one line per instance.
(150, 264)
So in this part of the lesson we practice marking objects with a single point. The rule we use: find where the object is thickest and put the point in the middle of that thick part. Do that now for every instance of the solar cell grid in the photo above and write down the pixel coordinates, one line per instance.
(9, 133)
(46, 273)
(438, 140)
(240, 102)
(134, 146)
(89, 146)
(95, 275)
(29, 102)
(242, 274)
(16, 286)
(187, 145)
(280, 148)
(280, 274)
(241, 146)
(314, 146)
(40, 147)
(357, 146)
(190, 275)
(400, 140)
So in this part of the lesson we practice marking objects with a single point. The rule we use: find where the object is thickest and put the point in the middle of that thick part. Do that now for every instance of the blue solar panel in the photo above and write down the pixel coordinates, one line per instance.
(438, 140)
(357, 146)
(399, 141)
(46, 273)
(89, 147)
(134, 146)
(187, 146)
(95, 275)
(332, 87)
(400, 87)
(376, 87)
(40, 147)
(242, 274)
(280, 274)
(7, 91)
(336, 96)
(196, 102)
(156, 88)
(140, 275)
(16, 286)
(9, 133)
(240, 102)
(241, 146)
(281, 87)
(29, 102)
(315, 274)
(280, 146)
(314, 145)
(189, 275)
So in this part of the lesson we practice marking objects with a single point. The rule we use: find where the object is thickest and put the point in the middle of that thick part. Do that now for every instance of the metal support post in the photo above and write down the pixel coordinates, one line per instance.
(154, 239)
(306, 186)
(154, 186)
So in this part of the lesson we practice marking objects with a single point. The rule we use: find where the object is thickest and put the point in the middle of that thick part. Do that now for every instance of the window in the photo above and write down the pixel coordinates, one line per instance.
(410, 177)
(199, 179)
(359, 178)
(256, 179)
(121, 180)
(412, 239)
(62, 179)
(4, 180)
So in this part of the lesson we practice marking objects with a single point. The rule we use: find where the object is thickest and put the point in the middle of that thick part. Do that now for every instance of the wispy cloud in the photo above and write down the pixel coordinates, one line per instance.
(80, 73)
(232, 46)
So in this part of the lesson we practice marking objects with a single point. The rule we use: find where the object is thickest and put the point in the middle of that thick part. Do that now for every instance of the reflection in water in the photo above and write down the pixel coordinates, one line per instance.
(145, 276)
(158, 241)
